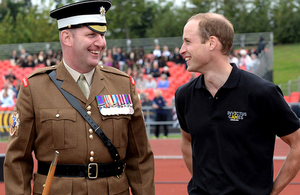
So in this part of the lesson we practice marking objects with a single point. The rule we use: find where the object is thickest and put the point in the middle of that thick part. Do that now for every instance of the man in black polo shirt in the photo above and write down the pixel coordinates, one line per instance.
(230, 118)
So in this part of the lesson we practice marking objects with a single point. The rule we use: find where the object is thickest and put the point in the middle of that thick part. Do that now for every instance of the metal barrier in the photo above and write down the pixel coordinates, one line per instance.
(149, 117)
(291, 85)
(244, 40)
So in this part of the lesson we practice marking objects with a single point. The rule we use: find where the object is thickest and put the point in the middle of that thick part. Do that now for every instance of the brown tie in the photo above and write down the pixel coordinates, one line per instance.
(81, 84)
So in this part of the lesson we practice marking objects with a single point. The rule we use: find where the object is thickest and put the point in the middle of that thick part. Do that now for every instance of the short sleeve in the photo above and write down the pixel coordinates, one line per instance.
(179, 104)
(283, 120)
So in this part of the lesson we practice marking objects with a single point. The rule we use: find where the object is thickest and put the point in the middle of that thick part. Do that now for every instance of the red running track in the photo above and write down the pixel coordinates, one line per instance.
(172, 176)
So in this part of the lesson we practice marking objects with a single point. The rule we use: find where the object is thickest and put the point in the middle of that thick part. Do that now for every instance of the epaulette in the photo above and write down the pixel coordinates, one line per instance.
(112, 70)
(42, 71)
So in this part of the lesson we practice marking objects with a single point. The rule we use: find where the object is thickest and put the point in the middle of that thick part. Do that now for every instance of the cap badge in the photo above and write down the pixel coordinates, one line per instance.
(102, 11)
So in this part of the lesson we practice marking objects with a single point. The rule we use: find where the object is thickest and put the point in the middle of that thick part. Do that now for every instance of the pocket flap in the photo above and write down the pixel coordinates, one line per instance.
(58, 114)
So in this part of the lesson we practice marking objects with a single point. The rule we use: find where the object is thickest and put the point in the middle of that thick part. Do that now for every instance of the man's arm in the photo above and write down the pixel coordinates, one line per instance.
(18, 163)
(139, 155)
(186, 150)
(291, 166)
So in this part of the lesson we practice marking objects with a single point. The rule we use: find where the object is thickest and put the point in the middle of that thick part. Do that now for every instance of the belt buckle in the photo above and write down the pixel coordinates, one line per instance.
(89, 168)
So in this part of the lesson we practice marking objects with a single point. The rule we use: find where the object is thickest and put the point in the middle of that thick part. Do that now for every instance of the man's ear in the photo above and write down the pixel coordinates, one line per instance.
(66, 37)
(213, 42)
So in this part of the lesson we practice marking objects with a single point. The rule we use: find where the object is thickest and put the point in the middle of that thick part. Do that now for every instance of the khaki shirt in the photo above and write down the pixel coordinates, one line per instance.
(47, 122)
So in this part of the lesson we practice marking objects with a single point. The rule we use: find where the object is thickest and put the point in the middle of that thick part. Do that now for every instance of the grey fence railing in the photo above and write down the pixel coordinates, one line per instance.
(290, 86)
(150, 120)
(149, 115)
(240, 41)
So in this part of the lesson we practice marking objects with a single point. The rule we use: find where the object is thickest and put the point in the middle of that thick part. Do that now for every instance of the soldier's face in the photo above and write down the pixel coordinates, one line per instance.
(88, 47)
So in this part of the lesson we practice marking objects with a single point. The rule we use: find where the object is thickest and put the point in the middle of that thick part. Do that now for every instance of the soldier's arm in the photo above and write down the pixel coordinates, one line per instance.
(139, 158)
(18, 165)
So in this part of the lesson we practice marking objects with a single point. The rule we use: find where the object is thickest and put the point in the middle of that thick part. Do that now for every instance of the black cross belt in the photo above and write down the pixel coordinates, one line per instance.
(89, 171)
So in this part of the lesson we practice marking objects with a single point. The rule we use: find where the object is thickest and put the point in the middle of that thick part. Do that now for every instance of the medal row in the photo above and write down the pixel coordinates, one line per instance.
(115, 104)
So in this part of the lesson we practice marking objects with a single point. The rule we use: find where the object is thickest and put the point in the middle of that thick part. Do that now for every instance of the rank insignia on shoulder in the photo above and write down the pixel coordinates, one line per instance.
(14, 124)
(132, 80)
(25, 82)
(115, 104)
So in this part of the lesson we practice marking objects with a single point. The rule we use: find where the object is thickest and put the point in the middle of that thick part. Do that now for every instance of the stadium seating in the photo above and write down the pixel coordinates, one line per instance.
(287, 98)
(178, 76)
(20, 73)
(295, 97)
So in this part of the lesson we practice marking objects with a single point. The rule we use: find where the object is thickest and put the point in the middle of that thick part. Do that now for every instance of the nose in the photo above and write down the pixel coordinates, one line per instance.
(182, 49)
(100, 41)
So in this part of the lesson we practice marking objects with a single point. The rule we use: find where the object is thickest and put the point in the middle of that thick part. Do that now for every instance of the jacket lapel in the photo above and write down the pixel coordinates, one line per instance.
(69, 84)
(97, 85)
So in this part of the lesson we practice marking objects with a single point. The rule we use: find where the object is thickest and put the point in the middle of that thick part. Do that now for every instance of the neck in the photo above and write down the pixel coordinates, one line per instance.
(216, 78)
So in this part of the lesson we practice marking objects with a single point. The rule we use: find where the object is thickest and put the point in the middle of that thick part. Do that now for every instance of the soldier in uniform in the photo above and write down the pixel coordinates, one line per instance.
(44, 121)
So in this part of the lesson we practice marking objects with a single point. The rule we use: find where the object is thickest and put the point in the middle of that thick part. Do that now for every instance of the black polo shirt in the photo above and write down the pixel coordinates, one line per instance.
(233, 133)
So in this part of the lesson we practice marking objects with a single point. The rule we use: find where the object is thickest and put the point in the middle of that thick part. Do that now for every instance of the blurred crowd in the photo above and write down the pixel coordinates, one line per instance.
(248, 59)
(10, 90)
(116, 57)
(149, 70)
(25, 59)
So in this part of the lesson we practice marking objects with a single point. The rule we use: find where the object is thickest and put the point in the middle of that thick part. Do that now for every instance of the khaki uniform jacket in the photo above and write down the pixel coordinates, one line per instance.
(47, 122)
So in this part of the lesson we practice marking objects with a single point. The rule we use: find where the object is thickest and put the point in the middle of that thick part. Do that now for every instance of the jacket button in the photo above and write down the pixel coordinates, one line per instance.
(91, 131)
(92, 153)
(89, 107)
(57, 115)
(91, 137)
(91, 159)
(89, 113)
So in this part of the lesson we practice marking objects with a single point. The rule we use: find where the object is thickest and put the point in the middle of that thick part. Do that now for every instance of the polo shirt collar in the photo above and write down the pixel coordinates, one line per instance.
(231, 82)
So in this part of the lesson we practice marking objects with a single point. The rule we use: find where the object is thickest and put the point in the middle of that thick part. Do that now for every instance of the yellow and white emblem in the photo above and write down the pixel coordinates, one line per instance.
(14, 124)
(102, 11)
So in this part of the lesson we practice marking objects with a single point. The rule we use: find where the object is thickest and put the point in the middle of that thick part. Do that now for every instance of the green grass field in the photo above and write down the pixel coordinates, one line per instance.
(286, 63)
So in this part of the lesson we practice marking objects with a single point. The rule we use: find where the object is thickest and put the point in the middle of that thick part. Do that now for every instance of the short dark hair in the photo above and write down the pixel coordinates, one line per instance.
(212, 24)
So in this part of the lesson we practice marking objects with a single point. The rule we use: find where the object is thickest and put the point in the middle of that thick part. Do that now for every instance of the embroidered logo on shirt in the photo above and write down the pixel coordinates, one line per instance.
(236, 116)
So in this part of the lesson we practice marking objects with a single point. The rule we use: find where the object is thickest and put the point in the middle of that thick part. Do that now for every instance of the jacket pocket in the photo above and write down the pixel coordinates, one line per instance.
(60, 125)
(59, 186)
(119, 126)
(118, 186)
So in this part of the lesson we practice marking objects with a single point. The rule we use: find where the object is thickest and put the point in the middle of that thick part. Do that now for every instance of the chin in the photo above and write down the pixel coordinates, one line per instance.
(190, 69)
(94, 63)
